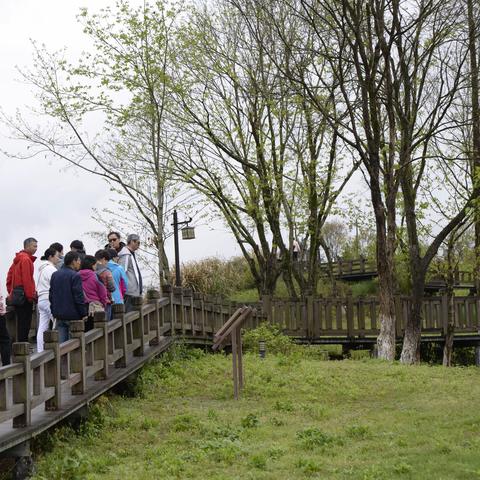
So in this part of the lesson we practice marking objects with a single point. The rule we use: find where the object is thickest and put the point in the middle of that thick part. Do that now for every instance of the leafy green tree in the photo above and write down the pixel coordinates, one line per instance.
(107, 110)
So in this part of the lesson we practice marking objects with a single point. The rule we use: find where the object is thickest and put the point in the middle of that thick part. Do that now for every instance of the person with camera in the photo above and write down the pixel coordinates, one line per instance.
(21, 287)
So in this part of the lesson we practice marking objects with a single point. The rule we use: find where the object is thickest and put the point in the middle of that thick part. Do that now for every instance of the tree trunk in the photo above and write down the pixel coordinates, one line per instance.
(448, 347)
(386, 337)
(450, 280)
(411, 340)
(475, 153)
(163, 265)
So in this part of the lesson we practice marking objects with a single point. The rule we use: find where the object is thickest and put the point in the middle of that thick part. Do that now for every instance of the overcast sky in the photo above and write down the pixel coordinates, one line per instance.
(38, 197)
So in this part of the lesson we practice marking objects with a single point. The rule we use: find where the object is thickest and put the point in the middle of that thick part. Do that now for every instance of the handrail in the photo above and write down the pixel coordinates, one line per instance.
(51, 378)
(35, 379)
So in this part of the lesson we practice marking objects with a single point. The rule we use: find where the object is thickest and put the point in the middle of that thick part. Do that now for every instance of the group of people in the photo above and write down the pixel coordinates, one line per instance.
(68, 287)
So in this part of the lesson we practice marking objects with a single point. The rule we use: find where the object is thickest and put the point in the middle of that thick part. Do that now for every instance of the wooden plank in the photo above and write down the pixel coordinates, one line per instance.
(69, 346)
(137, 329)
(5, 394)
(77, 357)
(52, 369)
(100, 346)
(47, 394)
(328, 315)
(11, 370)
(232, 325)
(361, 316)
(338, 312)
(22, 384)
(349, 314)
(14, 411)
(373, 315)
(37, 358)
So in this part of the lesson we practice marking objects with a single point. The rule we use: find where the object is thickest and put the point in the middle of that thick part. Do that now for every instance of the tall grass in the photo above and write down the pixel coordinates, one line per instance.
(217, 276)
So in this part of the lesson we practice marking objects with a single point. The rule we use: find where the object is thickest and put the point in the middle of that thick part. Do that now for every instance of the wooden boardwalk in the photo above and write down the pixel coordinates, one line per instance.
(38, 390)
(362, 269)
(350, 320)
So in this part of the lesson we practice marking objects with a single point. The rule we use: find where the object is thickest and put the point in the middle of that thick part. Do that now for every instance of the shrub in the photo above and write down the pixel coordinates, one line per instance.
(311, 438)
(275, 340)
(250, 421)
(216, 276)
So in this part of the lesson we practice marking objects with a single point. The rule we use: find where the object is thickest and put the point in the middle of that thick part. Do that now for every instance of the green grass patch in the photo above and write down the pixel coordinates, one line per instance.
(299, 418)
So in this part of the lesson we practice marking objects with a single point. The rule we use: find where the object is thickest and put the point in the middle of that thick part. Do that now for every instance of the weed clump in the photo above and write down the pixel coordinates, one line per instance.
(311, 438)
(307, 466)
(275, 341)
(250, 421)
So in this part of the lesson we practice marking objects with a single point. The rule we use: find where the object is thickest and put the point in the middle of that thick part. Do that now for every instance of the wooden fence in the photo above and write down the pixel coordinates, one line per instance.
(361, 268)
(53, 379)
(359, 317)
(340, 268)
(69, 374)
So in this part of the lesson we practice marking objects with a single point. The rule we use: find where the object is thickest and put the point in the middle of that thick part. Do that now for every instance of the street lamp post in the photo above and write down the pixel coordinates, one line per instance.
(190, 235)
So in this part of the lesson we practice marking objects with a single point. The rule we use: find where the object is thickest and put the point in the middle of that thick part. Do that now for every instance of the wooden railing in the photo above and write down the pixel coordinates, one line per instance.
(460, 277)
(362, 267)
(359, 317)
(64, 371)
(53, 379)
(359, 266)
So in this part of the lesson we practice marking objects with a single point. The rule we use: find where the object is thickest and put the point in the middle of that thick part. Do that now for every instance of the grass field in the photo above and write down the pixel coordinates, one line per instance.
(299, 418)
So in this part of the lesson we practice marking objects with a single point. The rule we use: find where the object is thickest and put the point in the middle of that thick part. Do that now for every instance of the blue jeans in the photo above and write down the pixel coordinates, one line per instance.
(63, 327)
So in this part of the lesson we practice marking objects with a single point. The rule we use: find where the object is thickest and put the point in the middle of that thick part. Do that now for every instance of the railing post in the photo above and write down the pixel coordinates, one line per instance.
(153, 298)
(168, 292)
(22, 384)
(137, 330)
(78, 362)
(178, 302)
(119, 312)
(187, 303)
(101, 344)
(200, 312)
(52, 369)
(362, 265)
(310, 319)
(350, 325)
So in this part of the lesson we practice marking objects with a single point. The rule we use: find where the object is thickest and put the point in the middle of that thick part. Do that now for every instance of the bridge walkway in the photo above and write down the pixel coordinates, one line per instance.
(39, 390)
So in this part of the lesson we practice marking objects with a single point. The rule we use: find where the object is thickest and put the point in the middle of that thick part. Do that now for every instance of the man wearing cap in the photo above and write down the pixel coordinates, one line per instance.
(128, 260)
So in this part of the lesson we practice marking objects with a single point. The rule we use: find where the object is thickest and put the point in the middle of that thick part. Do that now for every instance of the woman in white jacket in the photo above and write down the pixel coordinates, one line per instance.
(45, 271)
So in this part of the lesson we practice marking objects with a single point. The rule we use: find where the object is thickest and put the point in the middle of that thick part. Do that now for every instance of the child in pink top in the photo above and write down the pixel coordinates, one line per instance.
(94, 291)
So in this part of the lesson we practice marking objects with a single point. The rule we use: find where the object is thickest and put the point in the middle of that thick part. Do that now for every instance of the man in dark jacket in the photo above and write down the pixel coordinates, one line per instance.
(20, 276)
(67, 301)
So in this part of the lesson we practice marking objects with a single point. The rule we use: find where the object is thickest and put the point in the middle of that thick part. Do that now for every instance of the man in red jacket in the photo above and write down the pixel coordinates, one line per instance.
(20, 274)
